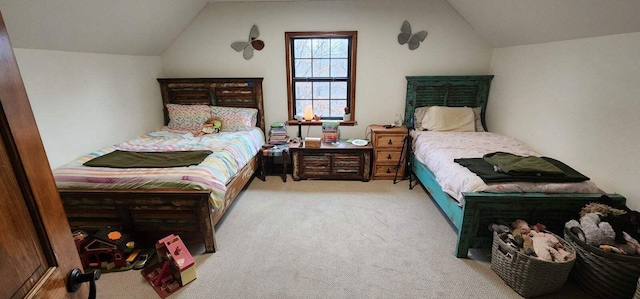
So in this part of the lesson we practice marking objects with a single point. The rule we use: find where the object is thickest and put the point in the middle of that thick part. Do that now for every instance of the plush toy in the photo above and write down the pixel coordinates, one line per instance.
(522, 238)
(210, 126)
(548, 248)
(574, 226)
(603, 209)
(621, 218)
(597, 232)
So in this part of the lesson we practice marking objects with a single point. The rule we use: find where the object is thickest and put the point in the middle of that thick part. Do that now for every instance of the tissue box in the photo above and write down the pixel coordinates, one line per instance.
(312, 142)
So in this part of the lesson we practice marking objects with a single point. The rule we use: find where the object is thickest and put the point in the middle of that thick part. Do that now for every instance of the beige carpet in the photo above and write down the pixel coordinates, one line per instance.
(331, 239)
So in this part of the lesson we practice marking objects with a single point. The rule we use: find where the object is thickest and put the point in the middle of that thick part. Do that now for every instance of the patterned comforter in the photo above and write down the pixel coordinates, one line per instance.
(437, 150)
(231, 152)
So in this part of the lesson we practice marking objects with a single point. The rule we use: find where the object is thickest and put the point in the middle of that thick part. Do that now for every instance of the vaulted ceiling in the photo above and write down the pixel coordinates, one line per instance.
(147, 27)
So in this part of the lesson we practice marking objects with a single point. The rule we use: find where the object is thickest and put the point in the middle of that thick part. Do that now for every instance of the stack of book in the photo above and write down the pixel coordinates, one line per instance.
(278, 134)
(330, 131)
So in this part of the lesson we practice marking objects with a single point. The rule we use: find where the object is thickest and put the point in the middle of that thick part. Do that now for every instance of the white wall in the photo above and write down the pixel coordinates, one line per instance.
(83, 102)
(451, 48)
(577, 101)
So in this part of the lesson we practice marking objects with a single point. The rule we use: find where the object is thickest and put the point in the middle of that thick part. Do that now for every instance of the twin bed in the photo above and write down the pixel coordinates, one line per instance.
(150, 203)
(468, 202)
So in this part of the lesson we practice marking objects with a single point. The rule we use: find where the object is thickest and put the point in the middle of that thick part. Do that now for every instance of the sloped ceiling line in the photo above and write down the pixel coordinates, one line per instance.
(148, 27)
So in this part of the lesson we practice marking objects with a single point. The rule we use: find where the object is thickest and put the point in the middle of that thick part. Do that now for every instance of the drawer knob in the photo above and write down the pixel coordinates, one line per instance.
(390, 142)
(389, 157)
(388, 170)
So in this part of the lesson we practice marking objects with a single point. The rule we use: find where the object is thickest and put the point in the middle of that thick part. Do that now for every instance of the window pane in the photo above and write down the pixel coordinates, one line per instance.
(302, 68)
(337, 107)
(320, 90)
(321, 68)
(339, 68)
(321, 48)
(300, 104)
(302, 48)
(339, 48)
(338, 90)
(321, 108)
(303, 90)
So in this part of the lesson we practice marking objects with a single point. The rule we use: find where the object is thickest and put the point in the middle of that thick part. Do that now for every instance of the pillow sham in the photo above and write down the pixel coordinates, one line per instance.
(449, 119)
(187, 117)
(478, 119)
(418, 115)
(235, 119)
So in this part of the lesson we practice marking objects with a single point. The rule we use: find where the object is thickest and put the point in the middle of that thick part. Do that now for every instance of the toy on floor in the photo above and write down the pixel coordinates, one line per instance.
(175, 269)
(107, 250)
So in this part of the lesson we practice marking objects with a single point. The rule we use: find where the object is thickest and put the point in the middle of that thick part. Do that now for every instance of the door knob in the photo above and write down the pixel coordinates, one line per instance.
(76, 278)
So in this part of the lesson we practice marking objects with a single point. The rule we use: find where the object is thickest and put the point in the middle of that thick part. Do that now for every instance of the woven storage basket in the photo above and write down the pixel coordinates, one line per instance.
(601, 273)
(527, 275)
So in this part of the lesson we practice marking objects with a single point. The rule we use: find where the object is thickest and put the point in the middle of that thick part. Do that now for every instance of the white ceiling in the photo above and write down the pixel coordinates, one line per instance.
(148, 27)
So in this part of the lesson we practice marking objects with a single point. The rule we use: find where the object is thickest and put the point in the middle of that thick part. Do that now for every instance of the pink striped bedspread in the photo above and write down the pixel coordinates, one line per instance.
(231, 152)
(437, 150)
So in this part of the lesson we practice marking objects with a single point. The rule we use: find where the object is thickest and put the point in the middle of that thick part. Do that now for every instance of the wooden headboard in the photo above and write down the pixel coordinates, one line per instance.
(451, 91)
(224, 92)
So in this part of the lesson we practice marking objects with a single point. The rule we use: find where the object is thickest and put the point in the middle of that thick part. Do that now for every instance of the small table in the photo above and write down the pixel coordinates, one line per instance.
(280, 150)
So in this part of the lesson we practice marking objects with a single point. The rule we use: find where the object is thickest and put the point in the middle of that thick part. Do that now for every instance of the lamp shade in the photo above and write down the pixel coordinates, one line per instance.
(308, 113)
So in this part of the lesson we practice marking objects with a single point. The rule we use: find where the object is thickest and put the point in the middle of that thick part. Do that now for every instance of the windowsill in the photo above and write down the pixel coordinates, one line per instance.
(319, 122)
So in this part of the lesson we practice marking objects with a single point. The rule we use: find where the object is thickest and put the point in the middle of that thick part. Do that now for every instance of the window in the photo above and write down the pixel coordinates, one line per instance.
(321, 73)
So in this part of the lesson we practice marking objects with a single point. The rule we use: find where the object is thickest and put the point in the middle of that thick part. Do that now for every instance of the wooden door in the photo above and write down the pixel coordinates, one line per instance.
(37, 251)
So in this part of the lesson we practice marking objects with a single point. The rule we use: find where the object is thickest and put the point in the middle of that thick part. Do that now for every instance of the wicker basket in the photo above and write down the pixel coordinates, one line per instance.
(603, 274)
(527, 275)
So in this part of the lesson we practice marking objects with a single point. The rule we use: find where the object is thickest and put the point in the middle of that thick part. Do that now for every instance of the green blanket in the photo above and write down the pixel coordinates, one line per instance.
(123, 159)
(522, 165)
(488, 174)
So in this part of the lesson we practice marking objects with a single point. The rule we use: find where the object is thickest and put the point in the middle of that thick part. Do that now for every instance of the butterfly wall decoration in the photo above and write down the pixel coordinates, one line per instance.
(413, 40)
(253, 43)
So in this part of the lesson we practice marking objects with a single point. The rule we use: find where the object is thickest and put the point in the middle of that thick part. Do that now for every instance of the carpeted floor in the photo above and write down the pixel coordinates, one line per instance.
(331, 239)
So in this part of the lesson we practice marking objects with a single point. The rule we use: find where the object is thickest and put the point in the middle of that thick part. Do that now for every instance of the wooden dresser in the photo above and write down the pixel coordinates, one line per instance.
(388, 149)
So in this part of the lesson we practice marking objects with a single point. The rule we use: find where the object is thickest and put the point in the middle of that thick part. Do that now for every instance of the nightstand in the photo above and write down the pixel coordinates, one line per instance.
(281, 150)
(390, 151)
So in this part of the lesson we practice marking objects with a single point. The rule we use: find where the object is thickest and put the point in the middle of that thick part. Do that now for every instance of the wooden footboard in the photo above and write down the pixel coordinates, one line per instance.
(480, 209)
(153, 214)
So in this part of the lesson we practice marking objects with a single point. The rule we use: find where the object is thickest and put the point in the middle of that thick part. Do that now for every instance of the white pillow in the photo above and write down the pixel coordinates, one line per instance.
(418, 115)
(449, 119)
(478, 117)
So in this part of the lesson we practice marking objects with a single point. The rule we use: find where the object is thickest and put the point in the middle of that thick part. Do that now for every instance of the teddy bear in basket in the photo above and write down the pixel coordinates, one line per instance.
(608, 228)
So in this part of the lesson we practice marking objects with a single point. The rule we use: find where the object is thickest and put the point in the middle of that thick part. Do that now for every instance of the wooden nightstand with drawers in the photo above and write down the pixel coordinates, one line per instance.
(388, 150)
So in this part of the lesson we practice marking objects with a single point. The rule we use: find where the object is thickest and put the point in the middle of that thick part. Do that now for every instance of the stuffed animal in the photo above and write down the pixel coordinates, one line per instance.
(521, 236)
(595, 231)
(603, 209)
(548, 248)
(621, 218)
(210, 126)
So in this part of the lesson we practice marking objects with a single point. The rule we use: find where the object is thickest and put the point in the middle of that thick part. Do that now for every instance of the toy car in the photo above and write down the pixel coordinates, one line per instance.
(144, 258)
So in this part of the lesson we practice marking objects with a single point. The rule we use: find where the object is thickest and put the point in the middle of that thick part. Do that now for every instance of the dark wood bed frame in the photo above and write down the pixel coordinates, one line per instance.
(153, 214)
(479, 209)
